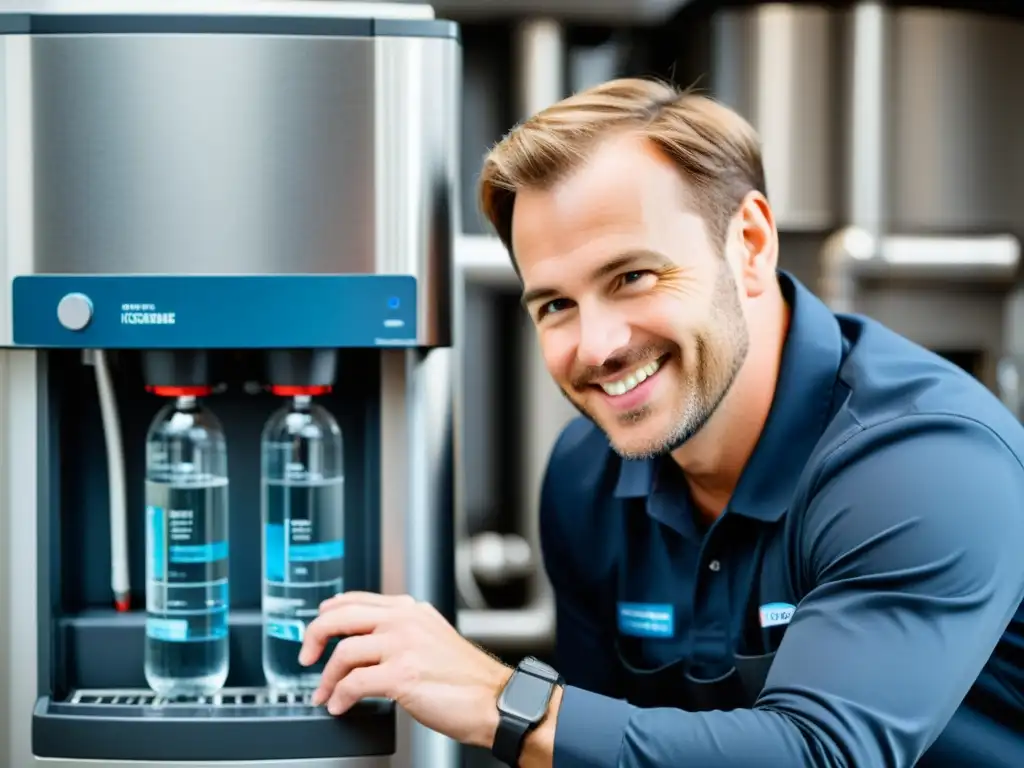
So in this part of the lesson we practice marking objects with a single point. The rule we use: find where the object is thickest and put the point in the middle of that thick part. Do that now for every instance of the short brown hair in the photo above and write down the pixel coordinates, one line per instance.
(717, 152)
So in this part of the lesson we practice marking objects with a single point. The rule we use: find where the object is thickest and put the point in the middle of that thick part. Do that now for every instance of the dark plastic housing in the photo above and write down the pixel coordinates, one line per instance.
(301, 367)
(176, 368)
(96, 704)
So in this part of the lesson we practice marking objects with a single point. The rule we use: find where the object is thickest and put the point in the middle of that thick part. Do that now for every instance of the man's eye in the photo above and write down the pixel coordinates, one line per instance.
(553, 306)
(635, 276)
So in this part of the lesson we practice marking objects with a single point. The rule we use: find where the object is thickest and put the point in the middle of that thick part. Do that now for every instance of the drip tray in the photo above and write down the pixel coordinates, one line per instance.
(244, 699)
(235, 724)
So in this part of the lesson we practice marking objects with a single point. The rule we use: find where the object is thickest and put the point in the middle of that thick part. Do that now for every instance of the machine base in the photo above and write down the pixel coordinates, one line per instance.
(236, 725)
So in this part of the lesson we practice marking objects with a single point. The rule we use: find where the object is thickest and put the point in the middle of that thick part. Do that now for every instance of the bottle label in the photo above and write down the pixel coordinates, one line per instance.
(187, 566)
(304, 553)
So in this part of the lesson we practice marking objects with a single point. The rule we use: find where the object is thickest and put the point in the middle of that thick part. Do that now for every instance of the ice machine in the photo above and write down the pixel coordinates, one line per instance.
(210, 213)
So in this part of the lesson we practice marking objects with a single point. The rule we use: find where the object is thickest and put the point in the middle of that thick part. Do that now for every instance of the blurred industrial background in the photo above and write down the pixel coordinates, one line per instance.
(894, 168)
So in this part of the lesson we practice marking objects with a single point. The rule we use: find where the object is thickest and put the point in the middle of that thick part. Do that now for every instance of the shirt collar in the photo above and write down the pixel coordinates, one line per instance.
(811, 358)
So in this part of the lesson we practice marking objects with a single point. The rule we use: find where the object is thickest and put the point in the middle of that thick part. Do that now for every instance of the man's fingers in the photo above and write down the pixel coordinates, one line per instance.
(346, 620)
(360, 683)
(350, 654)
(364, 598)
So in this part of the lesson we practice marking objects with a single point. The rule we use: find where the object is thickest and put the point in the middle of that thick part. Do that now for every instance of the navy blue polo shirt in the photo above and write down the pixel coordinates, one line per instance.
(872, 553)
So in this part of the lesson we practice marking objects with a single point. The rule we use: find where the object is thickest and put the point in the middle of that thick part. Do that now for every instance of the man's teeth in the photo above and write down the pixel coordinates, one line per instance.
(632, 381)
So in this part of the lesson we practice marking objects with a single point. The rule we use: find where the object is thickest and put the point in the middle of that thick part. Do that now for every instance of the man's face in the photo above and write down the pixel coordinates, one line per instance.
(639, 318)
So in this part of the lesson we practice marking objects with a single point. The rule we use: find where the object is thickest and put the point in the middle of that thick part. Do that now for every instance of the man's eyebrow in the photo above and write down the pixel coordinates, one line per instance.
(635, 259)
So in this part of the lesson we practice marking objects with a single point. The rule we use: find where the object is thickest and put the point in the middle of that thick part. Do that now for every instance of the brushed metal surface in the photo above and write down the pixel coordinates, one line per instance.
(774, 64)
(413, 9)
(234, 154)
(956, 162)
(417, 455)
(415, 154)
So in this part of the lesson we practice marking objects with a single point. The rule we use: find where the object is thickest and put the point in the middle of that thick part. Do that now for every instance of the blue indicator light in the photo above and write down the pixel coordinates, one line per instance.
(394, 303)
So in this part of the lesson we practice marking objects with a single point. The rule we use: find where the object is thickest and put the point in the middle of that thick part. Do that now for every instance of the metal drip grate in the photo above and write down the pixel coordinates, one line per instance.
(229, 697)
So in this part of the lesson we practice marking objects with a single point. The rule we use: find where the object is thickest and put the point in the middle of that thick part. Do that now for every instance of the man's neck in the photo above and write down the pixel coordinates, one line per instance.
(714, 459)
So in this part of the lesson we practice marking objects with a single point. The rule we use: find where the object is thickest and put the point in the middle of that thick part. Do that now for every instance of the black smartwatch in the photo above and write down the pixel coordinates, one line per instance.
(522, 705)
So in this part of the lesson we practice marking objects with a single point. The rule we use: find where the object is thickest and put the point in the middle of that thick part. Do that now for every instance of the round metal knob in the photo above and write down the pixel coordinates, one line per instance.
(74, 311)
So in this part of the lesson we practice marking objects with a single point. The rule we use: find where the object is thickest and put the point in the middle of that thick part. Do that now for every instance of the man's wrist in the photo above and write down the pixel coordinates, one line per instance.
(489, 711)
(539, 745)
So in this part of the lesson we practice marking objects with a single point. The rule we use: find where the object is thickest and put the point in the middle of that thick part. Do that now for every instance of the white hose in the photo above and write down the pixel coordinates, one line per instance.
(119, 580)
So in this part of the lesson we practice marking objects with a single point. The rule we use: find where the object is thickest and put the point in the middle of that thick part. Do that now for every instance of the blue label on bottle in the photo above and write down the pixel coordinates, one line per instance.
(187, 597)
(157, 548)
(318, 552)
(292, 630)
(201, 627)
(199, 553)
(273, 543)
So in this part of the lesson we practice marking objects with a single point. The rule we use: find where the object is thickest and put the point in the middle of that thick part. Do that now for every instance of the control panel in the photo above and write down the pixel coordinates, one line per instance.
(214, 311)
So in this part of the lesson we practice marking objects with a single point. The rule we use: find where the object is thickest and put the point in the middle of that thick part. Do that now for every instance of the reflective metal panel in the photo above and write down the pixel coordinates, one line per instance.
(774, 64)
(956, 160)
(242, 154)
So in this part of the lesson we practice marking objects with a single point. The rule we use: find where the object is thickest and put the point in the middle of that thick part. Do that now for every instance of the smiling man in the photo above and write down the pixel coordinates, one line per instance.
(777, 537)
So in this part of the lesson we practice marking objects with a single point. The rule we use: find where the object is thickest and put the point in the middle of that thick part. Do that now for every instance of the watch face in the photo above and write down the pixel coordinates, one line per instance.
(525, 697)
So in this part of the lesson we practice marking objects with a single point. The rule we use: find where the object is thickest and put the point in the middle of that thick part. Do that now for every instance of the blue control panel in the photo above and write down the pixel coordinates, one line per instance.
(214, 311)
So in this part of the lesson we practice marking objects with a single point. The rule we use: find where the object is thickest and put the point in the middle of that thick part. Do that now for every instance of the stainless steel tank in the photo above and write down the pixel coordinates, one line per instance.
(898, 123)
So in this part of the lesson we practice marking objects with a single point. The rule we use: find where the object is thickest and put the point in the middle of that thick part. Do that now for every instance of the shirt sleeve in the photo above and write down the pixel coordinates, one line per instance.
(911, 551)
(584, 645)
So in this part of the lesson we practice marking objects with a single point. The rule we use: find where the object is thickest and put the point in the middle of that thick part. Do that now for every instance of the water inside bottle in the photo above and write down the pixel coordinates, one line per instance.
(187, 592)
(304, 561)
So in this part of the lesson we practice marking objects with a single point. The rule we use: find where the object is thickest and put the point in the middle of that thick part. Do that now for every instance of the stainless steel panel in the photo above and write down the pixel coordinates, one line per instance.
(581, 11)
(240, 154)
(18, 515)
(416, 152)
(430, 482)
(198, 154)
(774, 64)
(956, 162)
(16, 183)
(402, 9)
(417, 454)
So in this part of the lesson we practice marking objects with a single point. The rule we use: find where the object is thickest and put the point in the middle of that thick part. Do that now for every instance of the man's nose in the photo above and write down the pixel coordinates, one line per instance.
(602, 333)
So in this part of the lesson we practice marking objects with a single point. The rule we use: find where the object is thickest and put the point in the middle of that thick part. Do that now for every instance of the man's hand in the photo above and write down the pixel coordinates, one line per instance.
(399, 649)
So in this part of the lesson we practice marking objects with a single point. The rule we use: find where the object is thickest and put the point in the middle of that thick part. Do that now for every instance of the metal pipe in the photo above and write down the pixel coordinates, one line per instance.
(867, 110)
(540, 65)
(852, 254)
(516, 630)
(865, 162)
(482, 259)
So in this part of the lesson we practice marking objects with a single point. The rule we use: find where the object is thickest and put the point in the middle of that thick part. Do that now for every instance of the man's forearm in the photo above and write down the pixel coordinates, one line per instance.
(539, 747)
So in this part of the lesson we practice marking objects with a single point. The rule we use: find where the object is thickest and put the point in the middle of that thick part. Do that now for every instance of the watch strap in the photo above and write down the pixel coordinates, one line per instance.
(509, 738)
(512, 729)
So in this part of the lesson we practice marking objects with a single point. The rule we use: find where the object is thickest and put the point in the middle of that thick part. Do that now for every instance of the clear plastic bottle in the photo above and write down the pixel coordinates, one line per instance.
(187, 596)
(303, 533)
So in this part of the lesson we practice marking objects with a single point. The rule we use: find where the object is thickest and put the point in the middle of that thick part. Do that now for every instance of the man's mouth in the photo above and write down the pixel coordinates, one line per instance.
(632, 379)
